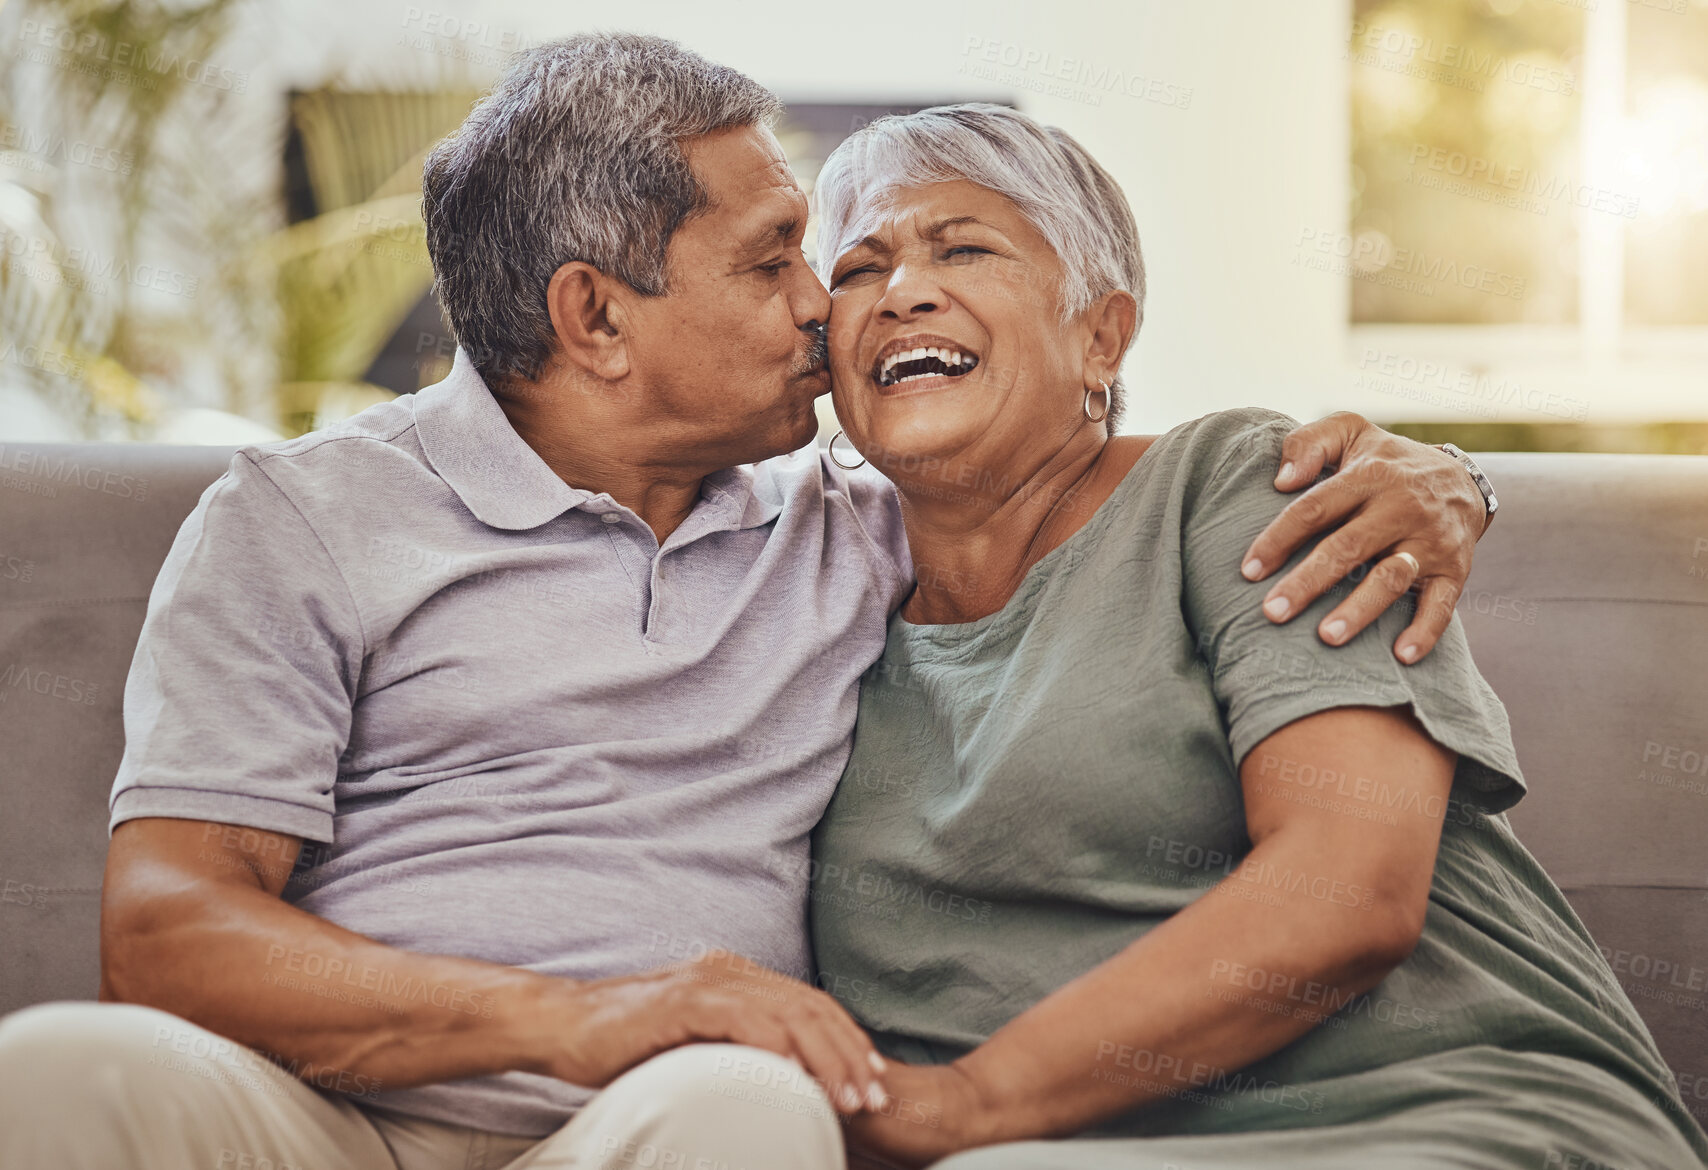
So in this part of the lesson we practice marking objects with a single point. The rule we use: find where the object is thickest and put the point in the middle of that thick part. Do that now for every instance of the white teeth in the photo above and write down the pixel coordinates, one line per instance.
(952, 358)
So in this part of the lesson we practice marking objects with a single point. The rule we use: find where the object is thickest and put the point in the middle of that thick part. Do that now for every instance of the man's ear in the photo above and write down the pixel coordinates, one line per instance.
(588, 311)
(1113, 319)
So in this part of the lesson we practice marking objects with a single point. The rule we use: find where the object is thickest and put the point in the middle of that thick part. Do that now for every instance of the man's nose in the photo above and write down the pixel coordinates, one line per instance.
(812, 304)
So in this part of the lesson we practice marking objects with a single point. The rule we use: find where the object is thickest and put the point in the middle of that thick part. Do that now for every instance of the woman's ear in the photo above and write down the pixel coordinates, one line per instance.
(1113, 319)
(588, 315)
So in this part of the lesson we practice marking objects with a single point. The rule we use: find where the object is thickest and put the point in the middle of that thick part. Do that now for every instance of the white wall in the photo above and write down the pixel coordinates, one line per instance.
(1221, 188)
(1240, 148)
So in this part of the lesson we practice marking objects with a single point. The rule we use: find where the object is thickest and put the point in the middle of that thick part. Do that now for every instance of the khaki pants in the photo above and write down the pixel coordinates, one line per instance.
(81, 1088)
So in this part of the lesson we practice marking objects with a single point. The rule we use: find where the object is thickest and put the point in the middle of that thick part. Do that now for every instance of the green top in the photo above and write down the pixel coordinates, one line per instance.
(1031, 792)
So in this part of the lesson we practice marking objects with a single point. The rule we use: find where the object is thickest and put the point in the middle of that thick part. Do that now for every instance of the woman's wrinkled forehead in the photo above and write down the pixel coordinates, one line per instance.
(874, 213)
(899, 209)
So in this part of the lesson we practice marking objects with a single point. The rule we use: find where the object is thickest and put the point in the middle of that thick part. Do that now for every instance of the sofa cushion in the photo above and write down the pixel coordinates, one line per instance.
(1587, 612)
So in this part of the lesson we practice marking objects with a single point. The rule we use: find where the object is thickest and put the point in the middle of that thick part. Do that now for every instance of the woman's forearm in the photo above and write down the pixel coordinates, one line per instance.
(1225, 982)
(1320, 910)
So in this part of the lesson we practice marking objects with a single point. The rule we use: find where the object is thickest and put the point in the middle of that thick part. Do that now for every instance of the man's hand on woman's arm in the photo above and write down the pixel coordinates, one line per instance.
(1223, 983)
(192, 922)
(1388, 494)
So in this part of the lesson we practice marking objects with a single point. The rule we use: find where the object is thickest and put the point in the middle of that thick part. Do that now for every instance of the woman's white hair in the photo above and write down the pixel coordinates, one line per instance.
(1050, 178)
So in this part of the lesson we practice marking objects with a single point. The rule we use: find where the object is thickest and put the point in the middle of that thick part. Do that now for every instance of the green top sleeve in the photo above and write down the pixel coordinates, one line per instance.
(1265, 676)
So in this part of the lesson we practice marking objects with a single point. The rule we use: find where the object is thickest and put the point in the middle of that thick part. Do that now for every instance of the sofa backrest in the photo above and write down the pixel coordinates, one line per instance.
(1587, 611)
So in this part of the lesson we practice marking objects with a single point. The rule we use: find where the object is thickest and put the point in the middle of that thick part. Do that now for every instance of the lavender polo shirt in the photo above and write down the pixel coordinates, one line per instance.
(522, 730)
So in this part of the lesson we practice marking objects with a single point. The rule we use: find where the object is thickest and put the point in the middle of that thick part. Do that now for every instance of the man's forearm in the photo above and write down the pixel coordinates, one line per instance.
(294, 986)
(192, 923)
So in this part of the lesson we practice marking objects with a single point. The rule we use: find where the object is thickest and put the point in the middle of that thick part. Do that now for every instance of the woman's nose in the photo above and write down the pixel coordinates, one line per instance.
(909, 294)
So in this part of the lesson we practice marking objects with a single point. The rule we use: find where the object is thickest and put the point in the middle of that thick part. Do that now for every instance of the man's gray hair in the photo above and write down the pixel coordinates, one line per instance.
(1050, 178)
(575, 155)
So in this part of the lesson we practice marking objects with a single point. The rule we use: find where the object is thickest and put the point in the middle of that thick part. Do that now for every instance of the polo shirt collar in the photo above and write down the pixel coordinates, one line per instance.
(732, 500)
(473, 447)
(504, 482)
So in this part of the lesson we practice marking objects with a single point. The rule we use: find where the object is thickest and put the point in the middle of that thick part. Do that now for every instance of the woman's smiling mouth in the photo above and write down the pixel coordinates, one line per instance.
(917, 359)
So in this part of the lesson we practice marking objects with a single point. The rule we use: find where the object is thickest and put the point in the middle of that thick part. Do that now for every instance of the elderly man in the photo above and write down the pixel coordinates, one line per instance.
(473, 747)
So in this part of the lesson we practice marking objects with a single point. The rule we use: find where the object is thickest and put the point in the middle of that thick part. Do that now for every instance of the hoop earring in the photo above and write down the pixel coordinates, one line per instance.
(1108, 401)
(830, 449)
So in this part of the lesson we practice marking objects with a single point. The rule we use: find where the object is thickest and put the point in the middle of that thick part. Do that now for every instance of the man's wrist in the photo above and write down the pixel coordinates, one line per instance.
(535, 1016)
(1478, 480)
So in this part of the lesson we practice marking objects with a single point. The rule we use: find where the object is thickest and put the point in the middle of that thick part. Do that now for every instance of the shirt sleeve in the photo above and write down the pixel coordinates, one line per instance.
(238, 704)
(1266, 676)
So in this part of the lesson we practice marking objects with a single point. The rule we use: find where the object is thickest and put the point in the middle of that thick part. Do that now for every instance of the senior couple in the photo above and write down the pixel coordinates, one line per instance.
(634, 785)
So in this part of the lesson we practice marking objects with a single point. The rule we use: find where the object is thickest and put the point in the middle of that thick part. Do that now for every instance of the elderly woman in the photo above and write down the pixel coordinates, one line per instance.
(1127, 875)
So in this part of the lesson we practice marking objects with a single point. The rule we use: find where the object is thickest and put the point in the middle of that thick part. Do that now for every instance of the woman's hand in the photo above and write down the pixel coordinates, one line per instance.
(933, 1111)
(1387, 495)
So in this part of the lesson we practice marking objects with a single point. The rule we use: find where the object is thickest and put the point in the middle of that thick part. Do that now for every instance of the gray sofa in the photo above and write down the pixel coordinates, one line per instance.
(1588, 612)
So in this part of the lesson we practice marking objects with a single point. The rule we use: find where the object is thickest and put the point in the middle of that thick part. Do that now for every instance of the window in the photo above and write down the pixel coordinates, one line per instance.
(1529, 199)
